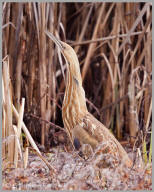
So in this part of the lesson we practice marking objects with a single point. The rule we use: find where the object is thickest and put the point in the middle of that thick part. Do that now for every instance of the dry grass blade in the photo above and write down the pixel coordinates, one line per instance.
(149, 116)
(110, 70)
(36, 20)
(7, 94)
(150, 152)
(92, 46)
(9, 23)
(25, 157)
(116, 62)
(139, 18)
(17, 142)
(51, 107)
(4, 121)
(45, 161)
(84, 27)
(104, 38)
(42, 70)
(140, 38)
(148, 42)
(133, 119)
(61, 64)
(19, 125)
(25, 130)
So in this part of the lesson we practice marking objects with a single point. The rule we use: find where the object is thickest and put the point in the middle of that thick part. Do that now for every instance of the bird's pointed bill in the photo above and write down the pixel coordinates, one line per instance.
(54, 39)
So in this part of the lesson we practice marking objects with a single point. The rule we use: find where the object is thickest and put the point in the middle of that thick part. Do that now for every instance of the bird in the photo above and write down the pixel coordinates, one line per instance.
(81, 126)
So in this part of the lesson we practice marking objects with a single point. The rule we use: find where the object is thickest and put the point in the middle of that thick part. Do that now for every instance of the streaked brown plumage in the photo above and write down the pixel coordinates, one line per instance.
(79, 123)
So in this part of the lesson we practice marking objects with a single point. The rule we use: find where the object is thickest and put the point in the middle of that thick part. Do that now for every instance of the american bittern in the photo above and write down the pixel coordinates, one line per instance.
(83, 127)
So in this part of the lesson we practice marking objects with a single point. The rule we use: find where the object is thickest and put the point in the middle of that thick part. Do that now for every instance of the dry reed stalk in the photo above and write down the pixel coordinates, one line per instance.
(63, 21)
(3, 132)
(36, 22)
(92, 46)
(141, 84)
(6, 27)
(18, 82)
(150, 152)
(110, 96)
(135, 51)
(139, 18)
(3, 121)
(149, 20)
(25, 157)
(16, 114)
(51, 79)
(120, 116)
(148, 43)
(128, 18)
(149, 116)
(17, 58)
(30, 139)
(13, 42)
(51, 72)
(8, 110)
(17, 142)
(85, 25)
(8, 35)
(31, 82)
(145, 156)
(148, 66)
(110, 37)
(19, 125)
(31, 57)
(110, 71)
(109, 89)
(130, 13)
(44, 160)
(42, 69)
(133, 115)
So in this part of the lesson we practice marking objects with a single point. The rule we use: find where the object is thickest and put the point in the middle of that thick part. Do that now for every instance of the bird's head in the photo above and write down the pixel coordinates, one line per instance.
(70, 56)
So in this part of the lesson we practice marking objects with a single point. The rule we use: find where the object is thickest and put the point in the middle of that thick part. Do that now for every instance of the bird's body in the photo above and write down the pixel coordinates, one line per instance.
(79, 123)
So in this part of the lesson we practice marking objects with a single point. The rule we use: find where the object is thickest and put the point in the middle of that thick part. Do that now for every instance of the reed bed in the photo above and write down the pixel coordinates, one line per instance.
(113, 42)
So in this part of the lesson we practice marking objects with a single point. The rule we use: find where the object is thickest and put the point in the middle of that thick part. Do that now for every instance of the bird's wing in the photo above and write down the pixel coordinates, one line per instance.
(97, 133)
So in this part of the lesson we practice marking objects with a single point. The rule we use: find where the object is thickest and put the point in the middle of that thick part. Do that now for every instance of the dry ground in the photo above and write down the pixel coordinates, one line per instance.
(75, 173)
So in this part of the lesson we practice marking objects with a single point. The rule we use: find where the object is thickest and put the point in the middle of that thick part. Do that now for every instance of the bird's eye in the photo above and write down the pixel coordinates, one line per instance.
(76, 144)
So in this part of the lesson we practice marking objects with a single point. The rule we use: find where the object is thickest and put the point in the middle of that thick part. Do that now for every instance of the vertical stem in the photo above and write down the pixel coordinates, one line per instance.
(19, 125)
(9, 128)
(42, 70)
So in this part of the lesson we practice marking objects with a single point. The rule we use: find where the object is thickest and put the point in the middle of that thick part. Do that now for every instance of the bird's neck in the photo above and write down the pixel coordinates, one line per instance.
(74, 104)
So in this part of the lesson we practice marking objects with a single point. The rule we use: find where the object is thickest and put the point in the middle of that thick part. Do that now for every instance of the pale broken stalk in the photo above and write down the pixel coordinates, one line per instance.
(19, 125)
